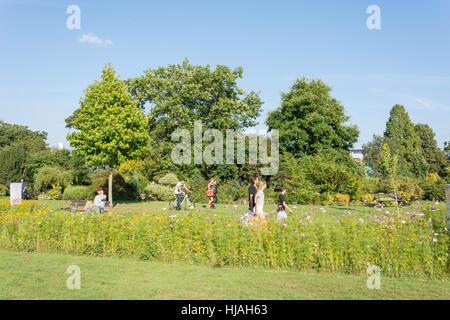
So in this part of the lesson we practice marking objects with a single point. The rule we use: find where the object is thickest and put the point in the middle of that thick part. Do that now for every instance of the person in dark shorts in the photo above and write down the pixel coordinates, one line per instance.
(252, 189)
(282, 206)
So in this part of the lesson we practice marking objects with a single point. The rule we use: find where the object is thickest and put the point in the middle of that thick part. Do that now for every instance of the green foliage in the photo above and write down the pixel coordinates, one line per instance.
(121, 189)
(180, 95)
(311, 120)
(342, 199)
(55, 193)
(110, 128)
(52, 177)
(435, 157)
(79, 193)
(406, 187)
(371, 185)
(4, 190)
(10, 133)
(433, 187)
(169, 179)
(158, 192)
(406, 143)
(12, 159)
(138, 182)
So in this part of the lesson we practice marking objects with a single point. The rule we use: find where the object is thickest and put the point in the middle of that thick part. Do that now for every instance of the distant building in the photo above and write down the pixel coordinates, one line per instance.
(60, 146)
(357, 154)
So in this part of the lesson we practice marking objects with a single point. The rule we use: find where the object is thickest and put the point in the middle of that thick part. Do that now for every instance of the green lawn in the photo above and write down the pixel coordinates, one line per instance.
(42, 276)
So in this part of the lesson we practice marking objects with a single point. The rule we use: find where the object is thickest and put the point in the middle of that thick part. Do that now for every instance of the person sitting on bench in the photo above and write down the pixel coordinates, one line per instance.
(99, 201)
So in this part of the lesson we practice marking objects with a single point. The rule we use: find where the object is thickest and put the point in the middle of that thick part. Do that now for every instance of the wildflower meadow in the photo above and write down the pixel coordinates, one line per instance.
(409, 242)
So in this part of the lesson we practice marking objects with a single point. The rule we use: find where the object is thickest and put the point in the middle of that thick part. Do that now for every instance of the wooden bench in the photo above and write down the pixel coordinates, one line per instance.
(76, 205)
(383, 198)
(80, 205)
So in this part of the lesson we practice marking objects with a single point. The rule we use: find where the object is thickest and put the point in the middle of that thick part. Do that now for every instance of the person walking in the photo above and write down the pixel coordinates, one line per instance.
(212, 193)
(252, 189)
(282, 206)
(259, 202)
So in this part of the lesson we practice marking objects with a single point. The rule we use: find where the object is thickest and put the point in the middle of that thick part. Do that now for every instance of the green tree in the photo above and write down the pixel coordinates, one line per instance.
(110, 128)
(434, 156)
(179, 95)
(406, 142)
(12, 164)
(9, 133)
(389, 168)
(311, 120)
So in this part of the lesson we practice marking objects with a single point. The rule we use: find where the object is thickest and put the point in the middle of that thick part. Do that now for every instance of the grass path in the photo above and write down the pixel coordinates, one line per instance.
(42, 276)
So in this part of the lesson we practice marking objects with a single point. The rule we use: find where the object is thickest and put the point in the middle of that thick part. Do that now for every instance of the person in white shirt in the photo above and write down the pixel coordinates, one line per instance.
(99, 201)
(180, 193)
(259, 212)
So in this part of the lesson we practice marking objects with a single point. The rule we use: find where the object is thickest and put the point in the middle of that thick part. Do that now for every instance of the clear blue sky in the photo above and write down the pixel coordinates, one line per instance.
(44, 66)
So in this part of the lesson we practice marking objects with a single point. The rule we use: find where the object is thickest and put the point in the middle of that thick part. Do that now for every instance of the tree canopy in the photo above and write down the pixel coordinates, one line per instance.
(311, 120)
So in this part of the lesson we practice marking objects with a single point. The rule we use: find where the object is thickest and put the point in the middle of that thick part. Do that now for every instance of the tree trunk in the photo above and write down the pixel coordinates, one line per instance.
(110, 183)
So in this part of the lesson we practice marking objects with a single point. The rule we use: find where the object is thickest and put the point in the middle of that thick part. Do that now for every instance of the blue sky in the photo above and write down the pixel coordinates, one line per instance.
(44, 66)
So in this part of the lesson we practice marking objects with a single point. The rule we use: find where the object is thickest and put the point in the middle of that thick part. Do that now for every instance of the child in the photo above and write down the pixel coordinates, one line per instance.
(259, 205)
(282, 206)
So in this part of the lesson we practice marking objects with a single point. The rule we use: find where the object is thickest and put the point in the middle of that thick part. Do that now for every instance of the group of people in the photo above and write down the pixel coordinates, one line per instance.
(256, 201)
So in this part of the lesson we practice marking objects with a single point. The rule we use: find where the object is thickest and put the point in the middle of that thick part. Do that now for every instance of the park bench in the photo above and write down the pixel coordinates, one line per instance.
(80, 205)
(386, 198)
(77, 205)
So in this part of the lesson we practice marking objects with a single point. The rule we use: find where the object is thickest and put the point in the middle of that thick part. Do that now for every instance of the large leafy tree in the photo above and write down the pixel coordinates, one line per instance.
(178, 95)
(406, 143)
(17, 145)
(434, 156)
(109, 127)
(10, 133)
(311, 120)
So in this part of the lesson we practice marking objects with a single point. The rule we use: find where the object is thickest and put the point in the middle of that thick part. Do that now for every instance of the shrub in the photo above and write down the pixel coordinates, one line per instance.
(139, 183)
(409, 190)
(371, 185)
(342, 199)
(4, 190)
(326, 199)
(121, 189)
(79, 193)
(169, 179)
(55, 193)
(433, 187)
(368, 197)
(158, 192)
(51, 177)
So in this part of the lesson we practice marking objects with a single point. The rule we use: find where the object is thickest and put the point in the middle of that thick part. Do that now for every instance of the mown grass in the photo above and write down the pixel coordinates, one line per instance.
(42, 276)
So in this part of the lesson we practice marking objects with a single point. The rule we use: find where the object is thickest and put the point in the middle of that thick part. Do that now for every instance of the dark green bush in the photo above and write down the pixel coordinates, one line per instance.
(79, 193)
(121, 189)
